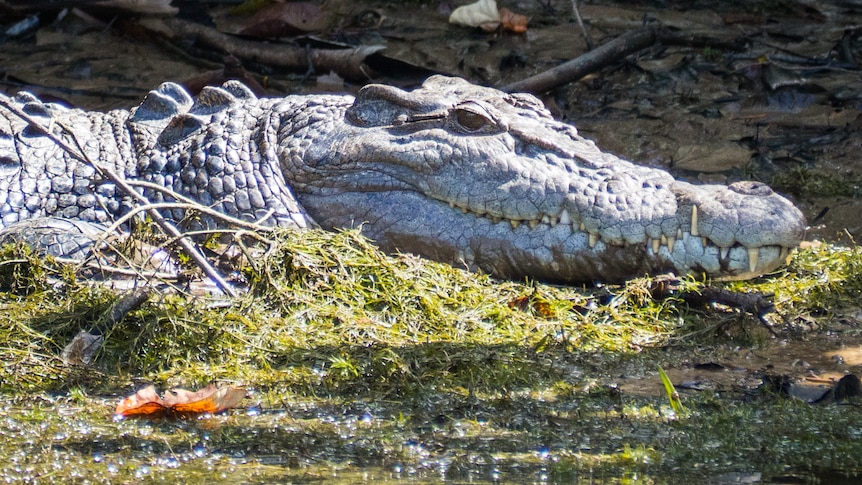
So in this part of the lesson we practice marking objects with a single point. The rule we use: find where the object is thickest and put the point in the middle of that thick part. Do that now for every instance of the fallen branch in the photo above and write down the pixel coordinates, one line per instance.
(617, 49)
(592, 61)
(347, 63)
(146, 7)
(755, 303)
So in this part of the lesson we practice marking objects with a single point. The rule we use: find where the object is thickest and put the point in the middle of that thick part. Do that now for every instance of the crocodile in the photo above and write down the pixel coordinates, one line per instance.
(451, 171)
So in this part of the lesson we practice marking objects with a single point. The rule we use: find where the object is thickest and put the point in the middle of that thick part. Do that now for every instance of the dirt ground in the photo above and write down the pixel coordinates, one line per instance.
(773, 93)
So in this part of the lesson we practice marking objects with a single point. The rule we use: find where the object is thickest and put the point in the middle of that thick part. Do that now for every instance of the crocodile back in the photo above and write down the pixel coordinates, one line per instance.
(218, 150)
(39, 177)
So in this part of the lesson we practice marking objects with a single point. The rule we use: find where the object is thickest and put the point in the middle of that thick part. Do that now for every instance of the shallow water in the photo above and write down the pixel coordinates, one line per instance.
(56, 440)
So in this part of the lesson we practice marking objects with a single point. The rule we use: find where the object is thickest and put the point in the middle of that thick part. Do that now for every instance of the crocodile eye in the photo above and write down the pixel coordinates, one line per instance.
(470, 120)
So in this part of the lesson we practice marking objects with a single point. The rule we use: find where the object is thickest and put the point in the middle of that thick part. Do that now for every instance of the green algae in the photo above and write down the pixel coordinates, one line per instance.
(366, 367)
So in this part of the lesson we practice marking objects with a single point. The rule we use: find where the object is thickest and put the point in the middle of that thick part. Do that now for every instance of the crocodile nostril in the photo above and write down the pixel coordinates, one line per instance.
(751, 188)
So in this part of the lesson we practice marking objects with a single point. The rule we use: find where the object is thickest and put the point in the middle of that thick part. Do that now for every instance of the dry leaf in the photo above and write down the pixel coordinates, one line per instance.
(513, 22)
(482, 14)
(146, 403)
(538, 305)
(82, 349)
(285, 19)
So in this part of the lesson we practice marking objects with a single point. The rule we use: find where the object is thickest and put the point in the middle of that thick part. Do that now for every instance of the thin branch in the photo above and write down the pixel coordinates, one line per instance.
(130, 271)
(347, 63)
(233, 221)
(577, 12)
(592, 61)
(77, 152)
(190, 206)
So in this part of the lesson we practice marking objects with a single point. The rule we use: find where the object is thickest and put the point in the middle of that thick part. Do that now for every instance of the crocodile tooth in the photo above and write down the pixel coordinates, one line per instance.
(546, 219)
(724, 251)
(752, 259)
(679, 233)
(582, 227)
(694, 230)
(515, 223)
(594, 238)
(496, 219)
(553, 221)
(451, 205)
(534, 223)
(671, 242)
(464, 210)
(656, 244)
(663, 240)
(704, 241)
(565, 218)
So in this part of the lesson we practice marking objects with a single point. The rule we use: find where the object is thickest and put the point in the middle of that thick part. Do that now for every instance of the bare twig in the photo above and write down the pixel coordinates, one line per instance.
(592, 61)
(127, 303)
(190, 206)
(129, 271)
(169, 229)
(617, 49)
(233, 232)
(101, 262)
(152, 7)
(577, 12)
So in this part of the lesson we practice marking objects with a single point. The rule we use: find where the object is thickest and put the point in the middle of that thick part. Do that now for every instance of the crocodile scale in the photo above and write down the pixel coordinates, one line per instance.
(451, 171)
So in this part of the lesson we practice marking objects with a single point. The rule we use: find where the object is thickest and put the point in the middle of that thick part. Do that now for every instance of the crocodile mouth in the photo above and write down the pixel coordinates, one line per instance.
(557, 247)
(759, 258)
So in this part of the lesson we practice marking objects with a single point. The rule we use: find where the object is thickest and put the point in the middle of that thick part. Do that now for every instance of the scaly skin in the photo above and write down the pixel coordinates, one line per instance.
(454, 172)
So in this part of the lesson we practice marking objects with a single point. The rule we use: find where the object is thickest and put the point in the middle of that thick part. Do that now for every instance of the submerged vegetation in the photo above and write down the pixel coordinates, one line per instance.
(363, 366)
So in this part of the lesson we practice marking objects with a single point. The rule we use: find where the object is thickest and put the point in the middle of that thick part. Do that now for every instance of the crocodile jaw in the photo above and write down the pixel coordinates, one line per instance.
(405, 221)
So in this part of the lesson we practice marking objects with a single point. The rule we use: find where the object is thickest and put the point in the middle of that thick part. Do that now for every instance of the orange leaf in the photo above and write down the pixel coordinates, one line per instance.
(513, 22)
(536, 303)
(521, 303)
(208, 400)
(147, 404)
(144, 403)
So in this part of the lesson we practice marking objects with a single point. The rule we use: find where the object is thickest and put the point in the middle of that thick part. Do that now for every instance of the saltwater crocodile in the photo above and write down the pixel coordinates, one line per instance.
(451, 171)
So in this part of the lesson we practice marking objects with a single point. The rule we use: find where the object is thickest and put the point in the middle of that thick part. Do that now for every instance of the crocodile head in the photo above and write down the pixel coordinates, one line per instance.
(489, 180)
